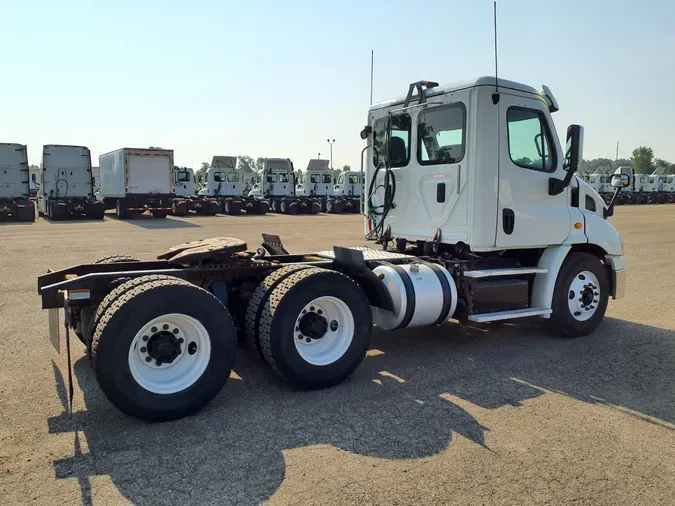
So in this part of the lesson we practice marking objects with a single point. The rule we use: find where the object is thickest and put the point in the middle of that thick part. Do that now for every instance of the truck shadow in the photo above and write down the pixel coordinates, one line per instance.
(398, 405)
(147, 221)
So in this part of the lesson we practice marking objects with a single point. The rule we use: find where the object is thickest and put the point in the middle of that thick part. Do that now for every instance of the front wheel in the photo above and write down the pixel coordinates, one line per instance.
(163, 350)
(580, 296)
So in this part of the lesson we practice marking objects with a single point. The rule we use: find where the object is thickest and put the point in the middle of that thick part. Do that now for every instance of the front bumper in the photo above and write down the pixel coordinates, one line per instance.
(619, 269)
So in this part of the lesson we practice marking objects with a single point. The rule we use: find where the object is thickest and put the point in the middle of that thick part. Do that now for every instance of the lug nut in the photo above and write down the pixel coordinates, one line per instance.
(300, 336)
(144, 349)
(181, 340)
(319, 311)
(308, 340)
(175, 331)
(153, 329)
(148, 359)
(145, 338)
(311, 308)
(159, 362)
(165, 326)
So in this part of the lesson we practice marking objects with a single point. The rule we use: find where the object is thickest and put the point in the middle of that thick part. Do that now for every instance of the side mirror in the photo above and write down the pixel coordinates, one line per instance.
(573, 147)
(620, 180)
(366, 132)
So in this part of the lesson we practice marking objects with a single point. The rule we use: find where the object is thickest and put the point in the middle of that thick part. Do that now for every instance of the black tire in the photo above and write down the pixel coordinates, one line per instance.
(283, 207)
(227, 206)
(671, 198)
(127, 315)
(26, 214)
(56, 213)
(274, 206)
(114, 259)
(262, 208)
(276, 333)
(562, 322)
(120, 290)
(121, 211)
(293, 207)
(315, 207)
(180, 209)
(258, 300)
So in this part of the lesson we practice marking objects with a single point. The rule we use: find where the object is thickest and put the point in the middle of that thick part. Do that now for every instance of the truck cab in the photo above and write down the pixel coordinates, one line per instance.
(275, 180)
(348, 184)
(15, 203)
(476, 169)
(316, 181)
(184, 181)
(66, 187)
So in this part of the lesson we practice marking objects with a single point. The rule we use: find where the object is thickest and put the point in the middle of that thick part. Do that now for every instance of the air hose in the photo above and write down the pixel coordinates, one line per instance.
(377, 214)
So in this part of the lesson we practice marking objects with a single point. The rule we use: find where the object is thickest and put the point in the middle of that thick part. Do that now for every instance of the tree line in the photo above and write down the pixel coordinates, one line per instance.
(642, 161)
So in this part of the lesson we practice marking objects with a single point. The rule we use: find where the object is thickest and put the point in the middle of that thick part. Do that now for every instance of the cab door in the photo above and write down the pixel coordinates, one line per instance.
(529, 155)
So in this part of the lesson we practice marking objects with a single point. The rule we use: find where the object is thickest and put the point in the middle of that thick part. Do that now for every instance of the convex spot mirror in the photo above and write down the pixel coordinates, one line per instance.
(620, 180)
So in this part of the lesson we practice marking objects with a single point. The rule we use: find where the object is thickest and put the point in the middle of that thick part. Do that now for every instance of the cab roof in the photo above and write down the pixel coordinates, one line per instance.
(462, 85)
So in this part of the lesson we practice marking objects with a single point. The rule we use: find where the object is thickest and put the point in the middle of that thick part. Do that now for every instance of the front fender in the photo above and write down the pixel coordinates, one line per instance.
(602, 233)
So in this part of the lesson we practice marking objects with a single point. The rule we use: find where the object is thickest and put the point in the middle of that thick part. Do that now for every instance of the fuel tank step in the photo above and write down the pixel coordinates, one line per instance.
(509, 315)
(515, 271)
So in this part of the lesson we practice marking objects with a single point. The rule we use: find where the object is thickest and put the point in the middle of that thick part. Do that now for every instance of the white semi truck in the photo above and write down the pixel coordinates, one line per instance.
(34, 180)
(225, 185)
(316, 182)
(475, 214)
(15, 203)
(276, 183)
(136, 180)
(348, 192)
(186, 199)
(66, 187)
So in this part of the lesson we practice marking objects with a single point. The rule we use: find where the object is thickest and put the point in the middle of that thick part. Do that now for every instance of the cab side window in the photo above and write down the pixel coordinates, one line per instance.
(530, 141)
(440, 135)
(399, 143)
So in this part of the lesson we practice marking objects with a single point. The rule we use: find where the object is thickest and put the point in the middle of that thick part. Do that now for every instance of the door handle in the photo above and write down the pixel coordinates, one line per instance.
(508, 220)
(440, 192)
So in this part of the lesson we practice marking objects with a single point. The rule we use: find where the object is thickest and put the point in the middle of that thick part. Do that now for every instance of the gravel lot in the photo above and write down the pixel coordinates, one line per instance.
(499, 416)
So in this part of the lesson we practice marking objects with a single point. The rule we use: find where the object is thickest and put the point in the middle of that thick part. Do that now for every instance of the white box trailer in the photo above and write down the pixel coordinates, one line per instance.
(15, 203)
(135, 180)
(66, 185)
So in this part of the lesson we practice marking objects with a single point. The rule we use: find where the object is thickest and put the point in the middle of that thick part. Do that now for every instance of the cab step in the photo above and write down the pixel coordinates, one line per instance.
(515, 271)
(509, 315)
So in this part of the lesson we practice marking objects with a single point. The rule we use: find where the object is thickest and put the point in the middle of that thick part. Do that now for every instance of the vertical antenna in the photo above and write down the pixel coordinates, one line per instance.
(372, 61)
(494, 17)
(617, 150)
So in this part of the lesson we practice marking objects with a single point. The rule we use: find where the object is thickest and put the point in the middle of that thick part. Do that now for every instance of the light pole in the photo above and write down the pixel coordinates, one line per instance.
(330, 143)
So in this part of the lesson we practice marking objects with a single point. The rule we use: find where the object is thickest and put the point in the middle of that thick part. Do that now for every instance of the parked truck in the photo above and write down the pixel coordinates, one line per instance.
(276, 183)
(348, 191)
(317, 182)
(34, 181)
(15, 203)
(96, 178)
(474, 213)
(186, 198)
(225, 185)
(136, 180)
(66, 184)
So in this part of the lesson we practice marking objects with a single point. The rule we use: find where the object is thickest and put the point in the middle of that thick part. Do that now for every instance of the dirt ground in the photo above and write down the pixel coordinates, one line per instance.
(433, 416)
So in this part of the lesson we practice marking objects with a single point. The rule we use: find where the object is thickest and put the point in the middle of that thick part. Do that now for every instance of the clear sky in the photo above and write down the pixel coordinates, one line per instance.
(277, 78)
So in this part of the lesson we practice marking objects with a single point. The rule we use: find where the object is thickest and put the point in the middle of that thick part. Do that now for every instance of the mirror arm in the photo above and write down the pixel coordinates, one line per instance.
(610, 207)
(556, 186)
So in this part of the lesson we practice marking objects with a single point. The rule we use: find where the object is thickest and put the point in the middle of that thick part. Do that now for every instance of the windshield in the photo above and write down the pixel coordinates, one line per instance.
(315, 178)
(283, 178)
(327, 178)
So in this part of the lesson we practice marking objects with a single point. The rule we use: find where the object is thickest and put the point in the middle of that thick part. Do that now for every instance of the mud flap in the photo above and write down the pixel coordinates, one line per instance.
(54, 336)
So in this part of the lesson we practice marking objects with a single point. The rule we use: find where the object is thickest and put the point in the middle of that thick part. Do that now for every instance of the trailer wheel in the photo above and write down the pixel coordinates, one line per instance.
(671, 198)
(640, 199)
(258, 300)
(293, 207)
(315, 328)
(163, 349)
(275, 206)
(580, 296)
(661, 199)
(315, 207)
